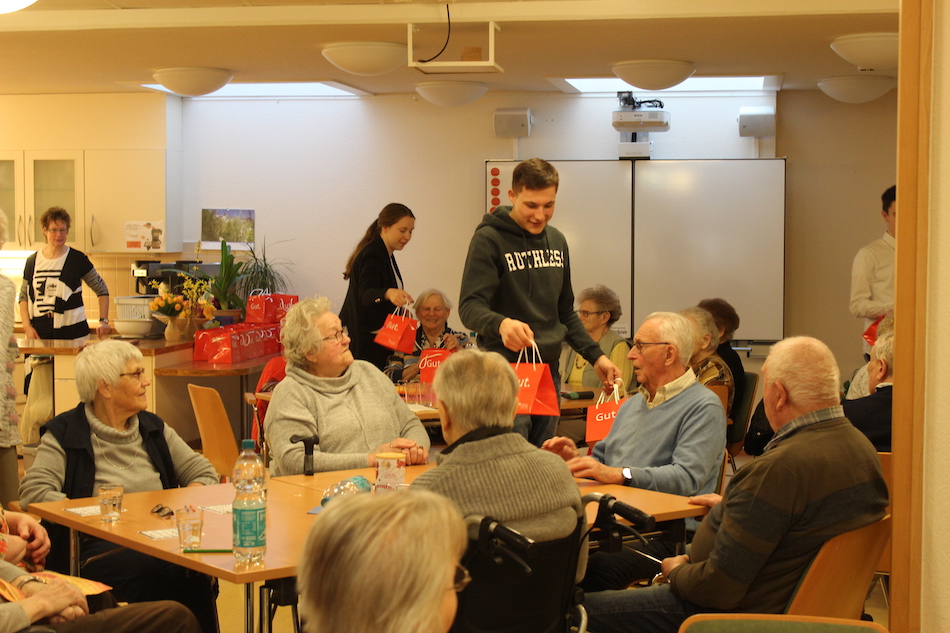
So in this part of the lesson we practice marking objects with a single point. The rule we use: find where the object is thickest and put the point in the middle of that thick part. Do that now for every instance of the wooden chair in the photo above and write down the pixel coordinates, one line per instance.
(741, 415)
(836, 584)
(884, 565)
(250, 400)
(217, 438)
(721, 390)
(772, 623)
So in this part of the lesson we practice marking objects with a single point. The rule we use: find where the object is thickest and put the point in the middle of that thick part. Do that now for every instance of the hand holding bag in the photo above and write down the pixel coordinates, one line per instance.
(398, 332)
(536, 392)
(601, 416)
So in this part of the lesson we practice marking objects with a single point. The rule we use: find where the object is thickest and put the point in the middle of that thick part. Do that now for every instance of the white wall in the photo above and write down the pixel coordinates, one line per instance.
(318, 171)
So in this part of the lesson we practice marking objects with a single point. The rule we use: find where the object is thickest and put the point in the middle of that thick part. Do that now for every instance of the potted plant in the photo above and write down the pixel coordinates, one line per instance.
(224, 286)
(261, 273)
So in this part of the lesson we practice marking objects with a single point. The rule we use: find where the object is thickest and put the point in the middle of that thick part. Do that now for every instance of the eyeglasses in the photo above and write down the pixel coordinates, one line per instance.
(462, 578)
(57, 231)
(138, 374)
(586, 313)
(640, 345)
(163, 511)
(338, 336)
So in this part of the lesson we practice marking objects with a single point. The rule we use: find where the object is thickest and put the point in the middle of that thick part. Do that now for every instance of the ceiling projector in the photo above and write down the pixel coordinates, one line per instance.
(641, 120)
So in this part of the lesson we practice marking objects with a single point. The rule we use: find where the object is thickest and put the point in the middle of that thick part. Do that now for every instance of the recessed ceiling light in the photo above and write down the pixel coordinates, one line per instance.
(274, 90)
(693, 84)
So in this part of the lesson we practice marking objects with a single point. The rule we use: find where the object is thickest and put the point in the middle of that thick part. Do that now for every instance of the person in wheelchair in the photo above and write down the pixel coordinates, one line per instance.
(489, 470)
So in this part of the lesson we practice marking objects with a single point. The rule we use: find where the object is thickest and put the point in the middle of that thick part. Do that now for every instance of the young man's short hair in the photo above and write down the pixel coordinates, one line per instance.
(534, 174)
(888, 197)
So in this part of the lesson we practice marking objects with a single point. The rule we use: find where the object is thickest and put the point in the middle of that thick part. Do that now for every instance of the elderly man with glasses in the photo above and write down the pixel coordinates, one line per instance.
(669, 436)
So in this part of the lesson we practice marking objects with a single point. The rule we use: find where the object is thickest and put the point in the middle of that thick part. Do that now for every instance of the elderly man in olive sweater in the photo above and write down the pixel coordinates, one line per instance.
(818, 477)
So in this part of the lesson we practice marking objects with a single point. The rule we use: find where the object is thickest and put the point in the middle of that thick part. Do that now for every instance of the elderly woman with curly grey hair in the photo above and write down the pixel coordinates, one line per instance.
(708, 366)
(350, 406)
(111, 439)
(599, 310)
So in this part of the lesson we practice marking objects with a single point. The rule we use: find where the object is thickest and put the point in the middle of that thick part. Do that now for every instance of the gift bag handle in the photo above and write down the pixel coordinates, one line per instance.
(535, 357)
(615, 394)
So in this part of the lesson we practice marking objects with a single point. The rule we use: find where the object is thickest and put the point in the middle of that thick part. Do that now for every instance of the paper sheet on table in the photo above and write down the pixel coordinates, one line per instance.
(416, 408)
(160, 534)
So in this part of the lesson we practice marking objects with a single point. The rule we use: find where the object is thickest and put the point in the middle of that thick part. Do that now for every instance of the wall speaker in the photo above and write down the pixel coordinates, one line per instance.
(510, 122)
(758, 121)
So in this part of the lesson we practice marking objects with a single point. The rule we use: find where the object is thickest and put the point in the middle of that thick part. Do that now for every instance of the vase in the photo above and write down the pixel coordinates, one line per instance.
(172, 332)
(187, 327)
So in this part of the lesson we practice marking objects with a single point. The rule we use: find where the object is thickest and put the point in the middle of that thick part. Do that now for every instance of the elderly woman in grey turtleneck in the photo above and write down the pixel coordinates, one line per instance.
(110, 438)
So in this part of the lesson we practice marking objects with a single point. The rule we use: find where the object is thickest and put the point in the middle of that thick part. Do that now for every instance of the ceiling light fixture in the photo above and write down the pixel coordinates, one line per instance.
(366, 58)
(868, 51)
(856, 88)
(193, 82)
(9, 6)
(654, 74)
(451, 94)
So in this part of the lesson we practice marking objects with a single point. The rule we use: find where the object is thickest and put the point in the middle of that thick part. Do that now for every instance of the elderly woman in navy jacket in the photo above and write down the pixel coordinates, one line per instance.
(109, 438)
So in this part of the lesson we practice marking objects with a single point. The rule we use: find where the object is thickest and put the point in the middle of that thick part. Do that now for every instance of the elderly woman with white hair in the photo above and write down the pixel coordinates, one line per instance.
(109, 438)
(383, 564)
(432, 308)
(489, 470)
(349, 405)
(708, 366)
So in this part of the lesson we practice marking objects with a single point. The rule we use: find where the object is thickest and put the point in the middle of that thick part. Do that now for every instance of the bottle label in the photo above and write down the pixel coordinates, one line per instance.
(250, 526)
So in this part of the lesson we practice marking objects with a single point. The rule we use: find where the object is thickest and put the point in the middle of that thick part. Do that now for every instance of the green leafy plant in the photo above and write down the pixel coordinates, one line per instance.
(223, 286)
(261, 273)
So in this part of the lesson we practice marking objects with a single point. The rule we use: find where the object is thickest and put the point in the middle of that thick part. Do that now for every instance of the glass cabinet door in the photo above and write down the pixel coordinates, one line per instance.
(11, 198)
(55, 179)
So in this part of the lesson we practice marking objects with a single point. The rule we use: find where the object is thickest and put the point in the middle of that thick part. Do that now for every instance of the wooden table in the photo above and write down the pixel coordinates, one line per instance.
(287, 525)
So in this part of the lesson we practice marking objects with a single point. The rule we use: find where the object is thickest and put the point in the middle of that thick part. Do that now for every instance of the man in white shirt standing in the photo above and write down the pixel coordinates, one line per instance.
(872, 273)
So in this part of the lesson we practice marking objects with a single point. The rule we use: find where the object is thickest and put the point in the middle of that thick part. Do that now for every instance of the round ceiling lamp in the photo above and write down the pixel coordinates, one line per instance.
(654, 74)
(366, 58)
(451, 94)
(868, 51)
(9, 6)
(857, 89)
(193, 82)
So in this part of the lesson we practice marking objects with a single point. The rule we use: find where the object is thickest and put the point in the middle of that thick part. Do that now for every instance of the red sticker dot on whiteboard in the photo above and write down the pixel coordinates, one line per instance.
(495, 171)
(492, 210)
(495, 182)
(495, 191)
(495, 201)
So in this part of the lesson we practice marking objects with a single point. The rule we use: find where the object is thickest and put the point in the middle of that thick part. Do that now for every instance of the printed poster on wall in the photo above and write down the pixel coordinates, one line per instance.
(144, 236)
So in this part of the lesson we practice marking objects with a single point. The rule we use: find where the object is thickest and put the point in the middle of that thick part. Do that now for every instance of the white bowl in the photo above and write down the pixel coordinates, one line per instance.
(133, 327)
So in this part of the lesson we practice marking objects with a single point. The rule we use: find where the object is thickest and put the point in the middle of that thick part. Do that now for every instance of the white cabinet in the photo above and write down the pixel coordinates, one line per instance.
(11, 199)
(130, 185)
(54, 179)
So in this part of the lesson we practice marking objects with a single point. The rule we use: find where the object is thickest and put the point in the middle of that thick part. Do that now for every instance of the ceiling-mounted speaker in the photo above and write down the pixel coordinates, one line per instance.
(511, 122)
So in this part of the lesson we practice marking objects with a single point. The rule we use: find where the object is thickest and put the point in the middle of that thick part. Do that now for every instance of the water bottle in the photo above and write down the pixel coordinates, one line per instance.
(351, 486)
(249, 509)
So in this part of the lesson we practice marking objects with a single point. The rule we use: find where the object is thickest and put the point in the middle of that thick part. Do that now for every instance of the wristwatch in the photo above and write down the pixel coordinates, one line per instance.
(106, 321)
(31, 578)
(627, 475)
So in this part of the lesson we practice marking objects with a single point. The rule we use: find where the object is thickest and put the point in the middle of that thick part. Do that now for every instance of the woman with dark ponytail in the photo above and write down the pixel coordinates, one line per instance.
(376, 287)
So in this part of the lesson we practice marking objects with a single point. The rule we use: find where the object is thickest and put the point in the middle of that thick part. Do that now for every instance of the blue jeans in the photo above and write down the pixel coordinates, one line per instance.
(539, 428)
(654, 609)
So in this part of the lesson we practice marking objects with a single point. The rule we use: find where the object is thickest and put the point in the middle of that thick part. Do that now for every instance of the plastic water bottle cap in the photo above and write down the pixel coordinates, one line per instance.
(247, 445)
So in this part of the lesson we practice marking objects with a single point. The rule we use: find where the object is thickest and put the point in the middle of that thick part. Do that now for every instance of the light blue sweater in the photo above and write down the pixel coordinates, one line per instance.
(675, 447)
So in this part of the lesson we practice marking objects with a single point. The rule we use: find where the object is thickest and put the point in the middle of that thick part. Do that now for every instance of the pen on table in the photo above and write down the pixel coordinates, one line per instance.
(207, 551)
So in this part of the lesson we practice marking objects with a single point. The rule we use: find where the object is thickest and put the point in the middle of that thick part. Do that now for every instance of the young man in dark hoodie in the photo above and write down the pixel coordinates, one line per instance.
(516, 286)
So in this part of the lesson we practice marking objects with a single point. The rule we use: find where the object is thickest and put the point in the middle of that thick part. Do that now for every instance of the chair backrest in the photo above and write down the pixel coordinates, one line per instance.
(504, 598)
(836, 584)
(720, 389)
(772, 623)
(217, 439)
(884, 565)
(721, 484)
(742, 410)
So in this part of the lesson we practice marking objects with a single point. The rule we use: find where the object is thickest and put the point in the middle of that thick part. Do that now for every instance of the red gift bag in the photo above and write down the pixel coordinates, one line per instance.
(429, 361)
(398, 331)
(870, 334)
(265, 307)
(536, 392)
(601, 416)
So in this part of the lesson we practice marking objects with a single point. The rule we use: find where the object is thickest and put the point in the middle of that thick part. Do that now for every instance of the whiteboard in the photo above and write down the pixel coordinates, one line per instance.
(711, 228)
(593, 211)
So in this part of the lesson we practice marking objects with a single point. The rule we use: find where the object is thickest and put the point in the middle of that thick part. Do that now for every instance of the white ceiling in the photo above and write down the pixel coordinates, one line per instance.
(77, 46)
